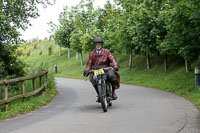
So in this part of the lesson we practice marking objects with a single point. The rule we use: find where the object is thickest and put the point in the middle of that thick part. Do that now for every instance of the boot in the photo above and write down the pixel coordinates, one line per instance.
(114, 96)
(98, 99)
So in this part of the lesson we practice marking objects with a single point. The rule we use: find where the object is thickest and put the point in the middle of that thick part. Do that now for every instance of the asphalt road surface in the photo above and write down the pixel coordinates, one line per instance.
(137, 110)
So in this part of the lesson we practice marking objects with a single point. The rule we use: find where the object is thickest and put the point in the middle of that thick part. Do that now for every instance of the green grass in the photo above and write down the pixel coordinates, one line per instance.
(20, 107)
(66, 67)
(29, 104)
(175, 80)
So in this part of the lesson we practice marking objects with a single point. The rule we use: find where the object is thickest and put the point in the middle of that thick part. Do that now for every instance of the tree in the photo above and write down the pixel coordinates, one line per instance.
(127, 29)
(62, 32)
(182, 20)
(14, 15)
(147, 27)
(138, 27)
(111, 28)
(84, 20)
(55, 34)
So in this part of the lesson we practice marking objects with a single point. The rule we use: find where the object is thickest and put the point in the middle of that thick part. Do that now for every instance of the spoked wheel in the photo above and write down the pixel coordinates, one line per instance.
(102, 96)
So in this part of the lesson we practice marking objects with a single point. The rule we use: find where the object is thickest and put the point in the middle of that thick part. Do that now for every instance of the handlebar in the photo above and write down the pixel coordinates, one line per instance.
(99, 67)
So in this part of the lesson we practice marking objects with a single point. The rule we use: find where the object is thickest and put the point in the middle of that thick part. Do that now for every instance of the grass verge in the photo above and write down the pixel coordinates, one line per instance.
(29, 104)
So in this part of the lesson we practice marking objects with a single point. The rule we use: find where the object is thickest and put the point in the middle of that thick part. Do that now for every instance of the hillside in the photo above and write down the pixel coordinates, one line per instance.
(174, 80)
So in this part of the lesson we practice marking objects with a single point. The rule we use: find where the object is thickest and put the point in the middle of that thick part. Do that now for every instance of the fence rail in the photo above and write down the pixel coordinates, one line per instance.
(35, 91)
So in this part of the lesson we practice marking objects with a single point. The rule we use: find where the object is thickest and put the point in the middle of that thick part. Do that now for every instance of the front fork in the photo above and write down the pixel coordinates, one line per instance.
(101, 82)
(106, 87)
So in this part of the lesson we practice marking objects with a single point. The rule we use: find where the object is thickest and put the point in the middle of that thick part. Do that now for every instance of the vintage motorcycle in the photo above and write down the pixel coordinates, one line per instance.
(103, 85)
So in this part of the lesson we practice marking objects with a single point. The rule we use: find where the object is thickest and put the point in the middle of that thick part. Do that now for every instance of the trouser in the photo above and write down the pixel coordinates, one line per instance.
(111, 78)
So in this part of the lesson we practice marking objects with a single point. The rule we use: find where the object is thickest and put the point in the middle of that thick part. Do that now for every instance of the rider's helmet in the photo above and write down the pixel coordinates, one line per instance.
(98, 39)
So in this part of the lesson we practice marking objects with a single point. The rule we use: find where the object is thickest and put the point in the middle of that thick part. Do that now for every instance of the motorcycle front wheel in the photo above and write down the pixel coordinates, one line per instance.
(103, 99)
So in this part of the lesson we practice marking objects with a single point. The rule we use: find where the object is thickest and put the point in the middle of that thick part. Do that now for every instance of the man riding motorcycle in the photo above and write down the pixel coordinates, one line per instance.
(98, 57)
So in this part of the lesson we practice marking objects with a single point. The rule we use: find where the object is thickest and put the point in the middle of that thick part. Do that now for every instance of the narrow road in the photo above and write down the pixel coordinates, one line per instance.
(137, 110)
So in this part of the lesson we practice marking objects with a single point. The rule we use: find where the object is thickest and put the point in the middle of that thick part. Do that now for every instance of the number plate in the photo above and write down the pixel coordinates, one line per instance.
(98, 72)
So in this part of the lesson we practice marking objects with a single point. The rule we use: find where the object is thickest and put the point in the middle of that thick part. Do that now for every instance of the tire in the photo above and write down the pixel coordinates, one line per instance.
(109, 95)
(110, 104)
(103, 99)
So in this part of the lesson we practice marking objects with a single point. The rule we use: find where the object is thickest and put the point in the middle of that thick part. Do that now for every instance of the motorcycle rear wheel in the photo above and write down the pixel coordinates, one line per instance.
(110, 104)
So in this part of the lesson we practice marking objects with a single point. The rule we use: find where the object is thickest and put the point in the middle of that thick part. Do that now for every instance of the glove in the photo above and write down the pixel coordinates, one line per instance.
(116, 66)
(85, 71)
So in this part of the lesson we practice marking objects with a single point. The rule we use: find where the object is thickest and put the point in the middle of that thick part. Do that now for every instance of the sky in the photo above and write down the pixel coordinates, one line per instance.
(40, 27)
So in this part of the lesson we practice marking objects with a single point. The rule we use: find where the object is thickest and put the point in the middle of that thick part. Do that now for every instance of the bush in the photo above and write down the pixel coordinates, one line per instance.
(10, 65)
(28, 53)
(40, 53)
(35, 46)
(50, 50)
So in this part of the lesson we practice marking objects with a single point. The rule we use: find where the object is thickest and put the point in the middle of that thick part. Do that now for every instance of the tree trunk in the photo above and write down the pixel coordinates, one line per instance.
(165, 62)
(81, 58)
(130, 59)
(148, 61)
(68, 53)
(187, 66)
(76, 55)
(60, 52)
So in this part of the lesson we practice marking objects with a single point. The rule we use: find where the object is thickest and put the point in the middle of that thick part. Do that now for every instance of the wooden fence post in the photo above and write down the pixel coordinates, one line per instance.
(23, 91)
(43, 80)
(46, 76)
(33, 82)
(23, 87)
(5, 102)
(6, 96)
(43, 83)
(40, 81)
